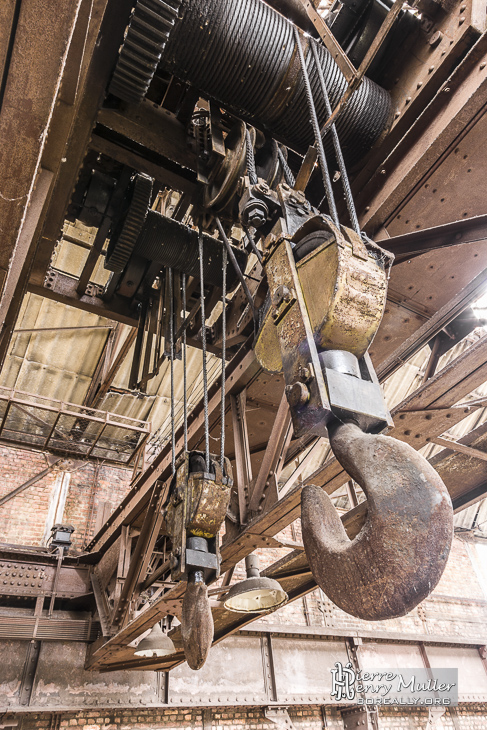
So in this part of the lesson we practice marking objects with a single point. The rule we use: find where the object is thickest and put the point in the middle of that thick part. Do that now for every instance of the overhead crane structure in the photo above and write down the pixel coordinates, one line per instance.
(224, 176)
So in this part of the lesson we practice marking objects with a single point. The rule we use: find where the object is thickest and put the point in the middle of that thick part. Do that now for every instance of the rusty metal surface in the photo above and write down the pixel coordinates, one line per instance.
(27, 107)
(464, 475)
(436, 132)
(236, 673)
(345, 291)
(196, 624)
(294, 10)
(197, 506)
(452, 384)
(293, 349)
(131, 504)
(399, 555)
(28, 577)
(415, 243)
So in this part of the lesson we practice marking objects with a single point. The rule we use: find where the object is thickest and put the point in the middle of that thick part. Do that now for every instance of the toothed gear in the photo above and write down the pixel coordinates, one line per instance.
(145, 40)
(124, 236)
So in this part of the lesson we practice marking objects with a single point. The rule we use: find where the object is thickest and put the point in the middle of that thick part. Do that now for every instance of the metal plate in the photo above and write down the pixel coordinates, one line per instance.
(304, 676)
(232, 674)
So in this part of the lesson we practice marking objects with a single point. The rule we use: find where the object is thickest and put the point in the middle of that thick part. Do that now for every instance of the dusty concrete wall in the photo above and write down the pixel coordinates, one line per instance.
(238, 673)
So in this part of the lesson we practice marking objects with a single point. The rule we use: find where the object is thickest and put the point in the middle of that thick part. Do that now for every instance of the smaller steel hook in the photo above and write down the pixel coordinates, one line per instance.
(196, 621)
(400, 553)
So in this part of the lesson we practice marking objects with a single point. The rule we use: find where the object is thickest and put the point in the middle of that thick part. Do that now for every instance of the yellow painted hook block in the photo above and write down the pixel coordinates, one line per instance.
(343, 286)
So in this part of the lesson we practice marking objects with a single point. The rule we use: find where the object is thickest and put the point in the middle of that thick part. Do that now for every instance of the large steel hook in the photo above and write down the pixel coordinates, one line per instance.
(399, 555)
(196, 621)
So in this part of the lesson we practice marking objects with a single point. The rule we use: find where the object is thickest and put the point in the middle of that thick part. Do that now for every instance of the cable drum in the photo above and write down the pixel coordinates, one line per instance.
(175, 245)
(243, 55)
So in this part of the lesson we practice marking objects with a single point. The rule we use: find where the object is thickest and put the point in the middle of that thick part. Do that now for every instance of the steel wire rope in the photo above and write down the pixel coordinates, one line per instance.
(224, 349)
(203, 349)
(317, 132)
(336, 144)
(253, 244)
(185, 381)
(239, 273)
(289, 177)
(165, 437)
(171, 337)
(251, 171)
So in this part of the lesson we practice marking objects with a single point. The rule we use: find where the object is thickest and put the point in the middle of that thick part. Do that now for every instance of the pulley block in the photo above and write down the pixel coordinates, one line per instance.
(324, 312)
(197, 508)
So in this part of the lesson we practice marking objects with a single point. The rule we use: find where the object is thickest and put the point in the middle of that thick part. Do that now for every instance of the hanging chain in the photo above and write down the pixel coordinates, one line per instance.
(203, 348)
(317, 132)
(336, 144)
(185, 384)
(171, 338)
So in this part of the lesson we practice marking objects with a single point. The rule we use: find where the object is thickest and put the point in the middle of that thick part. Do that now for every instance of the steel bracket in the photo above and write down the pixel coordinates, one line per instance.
(280, 717)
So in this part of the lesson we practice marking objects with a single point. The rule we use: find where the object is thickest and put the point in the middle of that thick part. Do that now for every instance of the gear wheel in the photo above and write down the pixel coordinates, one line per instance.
(125, 234)
(145, 40)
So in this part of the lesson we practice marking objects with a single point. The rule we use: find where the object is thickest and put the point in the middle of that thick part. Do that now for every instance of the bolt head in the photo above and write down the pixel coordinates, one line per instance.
(297, 394)
(256, 218)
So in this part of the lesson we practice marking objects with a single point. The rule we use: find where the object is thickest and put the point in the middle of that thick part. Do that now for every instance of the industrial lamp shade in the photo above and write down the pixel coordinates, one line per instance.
(155, 644)
(255, 594)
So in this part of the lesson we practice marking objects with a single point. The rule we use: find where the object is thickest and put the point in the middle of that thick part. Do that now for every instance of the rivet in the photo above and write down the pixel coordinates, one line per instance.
(461, 21)
(435, 38)
(431, 69)
(482, 66)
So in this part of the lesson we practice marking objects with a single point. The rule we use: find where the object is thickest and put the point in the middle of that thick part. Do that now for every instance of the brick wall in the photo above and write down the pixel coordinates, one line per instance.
(91, 490)
(473, 717)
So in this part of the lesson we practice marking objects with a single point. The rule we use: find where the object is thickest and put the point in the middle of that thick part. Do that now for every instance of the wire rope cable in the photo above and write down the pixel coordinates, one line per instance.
(224, 354)
(203, 350)
(336, 144)
(317, 132)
